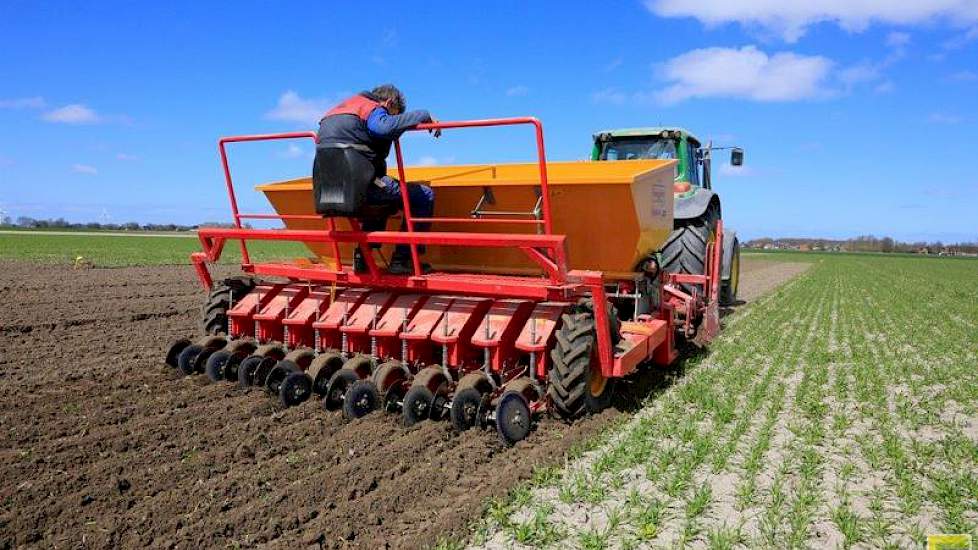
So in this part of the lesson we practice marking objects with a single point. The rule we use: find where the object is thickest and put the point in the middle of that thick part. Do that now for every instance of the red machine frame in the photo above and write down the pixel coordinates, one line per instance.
(651, 336)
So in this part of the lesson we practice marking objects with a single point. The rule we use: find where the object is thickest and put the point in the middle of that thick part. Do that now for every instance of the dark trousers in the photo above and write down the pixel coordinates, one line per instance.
(421, 198)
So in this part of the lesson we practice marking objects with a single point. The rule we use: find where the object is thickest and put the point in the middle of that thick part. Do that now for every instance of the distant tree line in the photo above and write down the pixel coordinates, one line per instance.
(60, 223)
(865, 243)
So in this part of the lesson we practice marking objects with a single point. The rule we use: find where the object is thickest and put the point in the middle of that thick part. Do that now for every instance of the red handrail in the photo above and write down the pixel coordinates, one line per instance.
(245, 257)
(541, 160)
(408, 218)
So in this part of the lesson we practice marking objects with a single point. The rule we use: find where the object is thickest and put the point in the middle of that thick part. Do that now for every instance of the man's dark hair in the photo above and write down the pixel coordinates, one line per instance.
(389, 91)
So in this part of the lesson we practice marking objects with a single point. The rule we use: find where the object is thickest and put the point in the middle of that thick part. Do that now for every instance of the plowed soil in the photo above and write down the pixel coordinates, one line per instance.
(101, 445)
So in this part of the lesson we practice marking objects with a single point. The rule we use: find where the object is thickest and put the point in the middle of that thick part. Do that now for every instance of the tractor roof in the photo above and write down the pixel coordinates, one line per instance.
(648, 131)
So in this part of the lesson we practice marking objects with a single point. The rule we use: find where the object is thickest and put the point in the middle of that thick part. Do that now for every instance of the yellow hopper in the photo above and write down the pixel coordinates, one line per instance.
(613, 213)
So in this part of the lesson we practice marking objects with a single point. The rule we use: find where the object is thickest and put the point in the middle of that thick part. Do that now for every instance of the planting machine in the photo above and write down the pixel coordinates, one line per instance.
(546, 287)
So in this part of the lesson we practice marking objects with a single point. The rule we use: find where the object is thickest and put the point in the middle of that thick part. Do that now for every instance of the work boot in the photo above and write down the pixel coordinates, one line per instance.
(359, 264)
(401, 265)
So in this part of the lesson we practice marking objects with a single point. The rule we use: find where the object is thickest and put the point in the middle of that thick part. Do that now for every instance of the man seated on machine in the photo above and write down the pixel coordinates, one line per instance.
(350, 168)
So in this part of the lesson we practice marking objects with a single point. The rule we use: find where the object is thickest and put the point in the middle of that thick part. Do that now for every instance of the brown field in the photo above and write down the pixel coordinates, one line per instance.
(104, 446)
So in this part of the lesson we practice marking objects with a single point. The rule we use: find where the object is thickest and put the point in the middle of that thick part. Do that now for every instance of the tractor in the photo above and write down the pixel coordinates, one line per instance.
(696, 207)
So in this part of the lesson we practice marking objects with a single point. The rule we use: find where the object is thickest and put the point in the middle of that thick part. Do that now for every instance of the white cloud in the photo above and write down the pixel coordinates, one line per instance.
(962, 39)
(745, 73)
(84, 169)
(791, 19)
(516, 91)
(36, 102)
(884, 87)
(611, 96)
(75, 113)
(292, 107)
(964, 76)
(741, 171)
(429, 160)
(293, 151)
(126, 156)
(858, 74)
(943, 118)
(897, 39)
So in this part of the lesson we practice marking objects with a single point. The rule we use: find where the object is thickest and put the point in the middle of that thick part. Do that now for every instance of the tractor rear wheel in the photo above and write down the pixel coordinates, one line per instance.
(576, 384)
(214, 313)
(685, 249)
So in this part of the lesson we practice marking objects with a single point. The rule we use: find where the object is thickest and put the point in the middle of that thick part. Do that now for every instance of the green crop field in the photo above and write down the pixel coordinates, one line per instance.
(124, 250)
(839, 411)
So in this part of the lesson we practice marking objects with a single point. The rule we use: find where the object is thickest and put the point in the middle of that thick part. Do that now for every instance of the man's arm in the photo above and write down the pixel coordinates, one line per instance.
(384, 125)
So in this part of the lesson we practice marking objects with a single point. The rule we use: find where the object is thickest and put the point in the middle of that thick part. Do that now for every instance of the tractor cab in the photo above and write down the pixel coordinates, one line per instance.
(696, 207)
(692, 168)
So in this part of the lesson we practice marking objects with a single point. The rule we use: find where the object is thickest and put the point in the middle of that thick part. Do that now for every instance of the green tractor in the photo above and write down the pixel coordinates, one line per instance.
(696, 208)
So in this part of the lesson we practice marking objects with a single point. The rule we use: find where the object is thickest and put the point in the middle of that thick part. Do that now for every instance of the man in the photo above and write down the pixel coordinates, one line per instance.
(368, 123)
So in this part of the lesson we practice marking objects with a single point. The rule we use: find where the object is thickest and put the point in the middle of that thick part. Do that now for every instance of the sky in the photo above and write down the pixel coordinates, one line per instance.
(857, 117)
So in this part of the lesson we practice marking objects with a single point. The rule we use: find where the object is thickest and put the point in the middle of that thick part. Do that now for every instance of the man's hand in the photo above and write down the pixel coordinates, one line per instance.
(437, 131)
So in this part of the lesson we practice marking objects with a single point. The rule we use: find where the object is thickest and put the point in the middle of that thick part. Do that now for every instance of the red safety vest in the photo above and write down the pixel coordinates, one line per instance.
(356, 105)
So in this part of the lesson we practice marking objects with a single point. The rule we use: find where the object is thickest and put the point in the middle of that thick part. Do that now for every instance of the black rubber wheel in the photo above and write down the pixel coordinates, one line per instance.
(173, 354)
(728, 287)
(232, 364)
(614, 323)
(261, 372)
(685, 249)
(295, 389)
(465, 409)
(361, 399)
(301, 356)
(214, 313)
(200, 362)
(389, 374)
(322, 369)
(277, 375)
(393, 399)
(577, 386)
(187, 358)
(246, 370)
(363, 365)
(215, 365)
(513, 418)
(417, 405)
(336, 389)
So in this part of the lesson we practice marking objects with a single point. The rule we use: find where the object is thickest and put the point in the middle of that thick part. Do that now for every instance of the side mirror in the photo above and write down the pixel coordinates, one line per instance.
(737, 156)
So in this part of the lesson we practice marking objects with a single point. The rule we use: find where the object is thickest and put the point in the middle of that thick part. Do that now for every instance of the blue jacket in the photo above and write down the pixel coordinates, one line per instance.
(374, 135)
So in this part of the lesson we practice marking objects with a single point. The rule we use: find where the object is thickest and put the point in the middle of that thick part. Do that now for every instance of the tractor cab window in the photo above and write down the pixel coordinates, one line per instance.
(693, 166)
(642, 148)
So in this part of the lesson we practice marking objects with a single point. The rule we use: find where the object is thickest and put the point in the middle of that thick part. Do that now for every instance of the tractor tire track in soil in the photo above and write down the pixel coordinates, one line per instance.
(101, 445)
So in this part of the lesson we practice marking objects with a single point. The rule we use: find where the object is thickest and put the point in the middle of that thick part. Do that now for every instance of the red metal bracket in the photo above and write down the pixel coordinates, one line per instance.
(386, 330)
(456, 327)
(419, 328)
(343, 305)
(498, 331)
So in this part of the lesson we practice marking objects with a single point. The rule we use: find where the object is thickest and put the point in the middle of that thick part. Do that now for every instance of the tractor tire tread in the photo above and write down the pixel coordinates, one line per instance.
(214, 319)
(571, 361)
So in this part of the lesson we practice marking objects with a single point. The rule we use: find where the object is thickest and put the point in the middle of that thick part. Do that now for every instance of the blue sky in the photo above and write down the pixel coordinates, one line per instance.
(857, 117)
